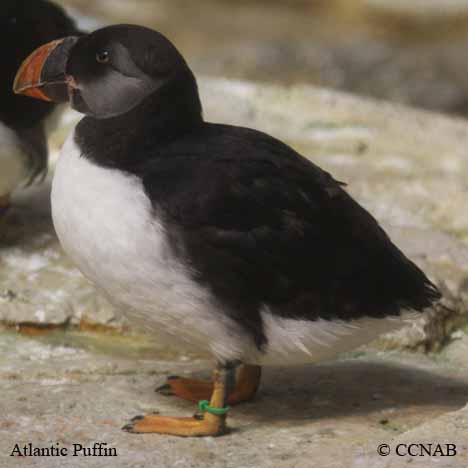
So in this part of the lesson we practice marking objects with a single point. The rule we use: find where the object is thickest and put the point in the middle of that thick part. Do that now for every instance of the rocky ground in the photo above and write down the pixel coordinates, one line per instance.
(72, 371)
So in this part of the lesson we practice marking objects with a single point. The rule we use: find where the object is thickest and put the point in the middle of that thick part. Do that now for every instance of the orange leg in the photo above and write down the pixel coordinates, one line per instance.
(247, 382)
(208, 425)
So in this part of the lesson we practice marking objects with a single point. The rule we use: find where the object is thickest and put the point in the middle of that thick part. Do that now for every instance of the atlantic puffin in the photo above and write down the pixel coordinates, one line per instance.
(219, 236)
(24, 26)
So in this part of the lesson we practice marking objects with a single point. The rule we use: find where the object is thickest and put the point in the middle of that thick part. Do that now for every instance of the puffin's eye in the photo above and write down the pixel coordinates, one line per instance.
(102, 56)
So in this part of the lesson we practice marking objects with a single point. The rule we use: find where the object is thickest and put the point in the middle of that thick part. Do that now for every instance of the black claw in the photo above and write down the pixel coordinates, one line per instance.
(198, 416)
(139, 417)
(165, 390)
(172, 377)
(127, 428)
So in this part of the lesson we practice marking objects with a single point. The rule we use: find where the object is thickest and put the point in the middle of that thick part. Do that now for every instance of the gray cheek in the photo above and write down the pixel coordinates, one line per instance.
(79, 104)
(115, 95)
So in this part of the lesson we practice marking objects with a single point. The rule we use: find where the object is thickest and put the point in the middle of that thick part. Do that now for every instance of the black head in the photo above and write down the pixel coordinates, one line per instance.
(109, 72)
(24, 26)
(116, 68)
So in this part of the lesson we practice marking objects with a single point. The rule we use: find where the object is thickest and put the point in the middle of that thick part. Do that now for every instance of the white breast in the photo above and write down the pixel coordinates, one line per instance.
(108, 227)
(13, 161)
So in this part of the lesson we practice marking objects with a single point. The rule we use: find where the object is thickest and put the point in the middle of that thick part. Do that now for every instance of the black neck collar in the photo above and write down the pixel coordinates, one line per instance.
(127, 141)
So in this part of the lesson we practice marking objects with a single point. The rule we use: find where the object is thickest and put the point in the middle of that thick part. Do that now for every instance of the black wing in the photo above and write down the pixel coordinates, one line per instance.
(260, 224)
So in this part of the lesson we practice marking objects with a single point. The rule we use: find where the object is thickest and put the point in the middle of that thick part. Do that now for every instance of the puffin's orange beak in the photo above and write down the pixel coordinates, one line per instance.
(42, 74)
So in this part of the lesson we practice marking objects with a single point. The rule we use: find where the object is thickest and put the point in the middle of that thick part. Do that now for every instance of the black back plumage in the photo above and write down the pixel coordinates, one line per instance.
(255, 222)
(24, 26)
(261, 225)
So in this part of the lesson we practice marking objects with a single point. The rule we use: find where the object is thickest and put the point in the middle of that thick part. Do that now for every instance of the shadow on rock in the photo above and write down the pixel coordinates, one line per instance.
(343, 389)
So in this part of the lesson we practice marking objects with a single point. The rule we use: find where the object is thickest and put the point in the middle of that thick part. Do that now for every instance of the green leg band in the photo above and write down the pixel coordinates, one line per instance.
(204, 406)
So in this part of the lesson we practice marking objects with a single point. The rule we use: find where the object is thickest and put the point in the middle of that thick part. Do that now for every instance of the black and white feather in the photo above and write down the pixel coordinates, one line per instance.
(222, 236)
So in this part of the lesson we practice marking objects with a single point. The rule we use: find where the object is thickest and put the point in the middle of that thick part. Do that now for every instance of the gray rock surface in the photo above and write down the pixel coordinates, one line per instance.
(55, 390)
(409, 168)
